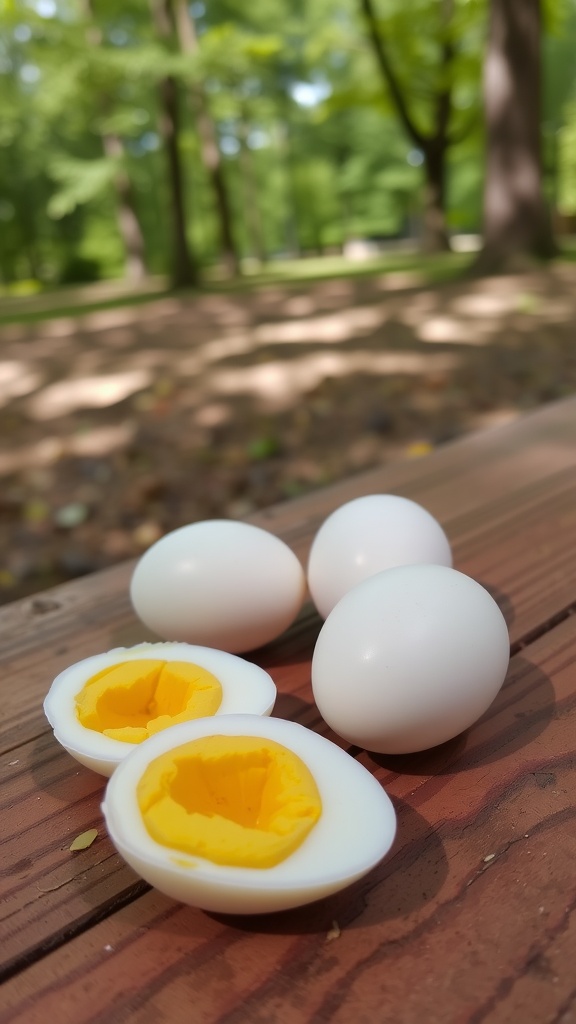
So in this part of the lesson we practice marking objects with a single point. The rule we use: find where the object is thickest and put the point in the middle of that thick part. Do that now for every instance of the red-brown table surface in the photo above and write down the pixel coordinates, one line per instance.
(469, 919)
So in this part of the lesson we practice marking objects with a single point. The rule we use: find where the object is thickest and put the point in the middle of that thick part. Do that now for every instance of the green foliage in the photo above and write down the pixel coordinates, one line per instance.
(80, 182)
(417, 56)
(313, 152)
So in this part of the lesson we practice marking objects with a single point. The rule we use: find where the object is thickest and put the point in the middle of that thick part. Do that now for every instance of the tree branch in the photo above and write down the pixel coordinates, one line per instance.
(389, 76)
(444, 96)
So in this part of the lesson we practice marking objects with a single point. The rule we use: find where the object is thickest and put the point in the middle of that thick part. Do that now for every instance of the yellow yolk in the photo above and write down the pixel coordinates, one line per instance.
(132, 700)
(243, 801)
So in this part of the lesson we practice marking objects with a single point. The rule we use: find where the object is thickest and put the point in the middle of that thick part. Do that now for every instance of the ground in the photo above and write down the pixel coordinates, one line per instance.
(120, 424)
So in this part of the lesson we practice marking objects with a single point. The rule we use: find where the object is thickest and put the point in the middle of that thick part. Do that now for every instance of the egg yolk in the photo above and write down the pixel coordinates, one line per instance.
(132, 700)
(242, 801)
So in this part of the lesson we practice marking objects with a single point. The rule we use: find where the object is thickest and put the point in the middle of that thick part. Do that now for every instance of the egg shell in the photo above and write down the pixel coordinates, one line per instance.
(246, 688)
(354, 832)
(366, 536)
(218, 583)
(409, 658)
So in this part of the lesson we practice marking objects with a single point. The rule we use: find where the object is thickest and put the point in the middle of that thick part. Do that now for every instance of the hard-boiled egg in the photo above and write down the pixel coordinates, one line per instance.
(366, 536)
(103, 706)
(409, 658)
(220, 583)
(246, 815)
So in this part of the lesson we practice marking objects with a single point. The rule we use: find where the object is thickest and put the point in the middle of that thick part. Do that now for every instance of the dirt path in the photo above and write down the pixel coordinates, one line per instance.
(119, 425)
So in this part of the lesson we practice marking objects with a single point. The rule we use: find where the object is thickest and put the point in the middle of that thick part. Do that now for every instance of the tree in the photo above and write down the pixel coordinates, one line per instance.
(184, 272)
(435, 140)
(208, 135)
(113, 147)
(517, 225)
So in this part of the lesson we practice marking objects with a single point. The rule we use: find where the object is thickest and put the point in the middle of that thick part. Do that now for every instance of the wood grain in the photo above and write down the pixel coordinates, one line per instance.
(48, 798)
(505, 497)
(471, 915)
(473, 909)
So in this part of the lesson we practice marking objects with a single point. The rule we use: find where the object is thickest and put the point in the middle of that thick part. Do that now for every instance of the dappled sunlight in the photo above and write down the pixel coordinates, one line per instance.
(340, 326)
(120, 425)
(99, 442)
(16, 379)
(214, 414)
(86, 393)
(401, 280)
(447, 330)
(221, 348)
(104, 319)
(299, 305)
(283, 351)
(280, 384)
(486, 304)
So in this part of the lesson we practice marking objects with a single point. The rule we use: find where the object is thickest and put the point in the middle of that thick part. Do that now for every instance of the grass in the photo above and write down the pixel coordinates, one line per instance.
(80, 308)
(434, 268)
(431, 269)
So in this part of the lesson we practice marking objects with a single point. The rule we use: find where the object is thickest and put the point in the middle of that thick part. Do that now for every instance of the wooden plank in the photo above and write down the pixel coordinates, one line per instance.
(519, 545)
(46, 891)
(48, 799)
(472, 914)
(457, 479)
(44, 634)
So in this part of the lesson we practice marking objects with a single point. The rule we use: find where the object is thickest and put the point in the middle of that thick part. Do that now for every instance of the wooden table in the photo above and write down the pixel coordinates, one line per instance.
(469, 919)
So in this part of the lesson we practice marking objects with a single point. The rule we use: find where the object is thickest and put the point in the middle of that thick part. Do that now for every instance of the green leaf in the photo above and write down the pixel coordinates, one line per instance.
(81, 181)
(84, 840)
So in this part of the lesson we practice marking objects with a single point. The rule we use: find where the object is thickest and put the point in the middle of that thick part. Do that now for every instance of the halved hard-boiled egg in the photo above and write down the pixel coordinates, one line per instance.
(102, 707)
(244, 814)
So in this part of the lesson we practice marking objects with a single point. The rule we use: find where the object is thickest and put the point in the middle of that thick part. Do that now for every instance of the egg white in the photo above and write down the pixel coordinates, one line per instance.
(354, 832)
(246, 689)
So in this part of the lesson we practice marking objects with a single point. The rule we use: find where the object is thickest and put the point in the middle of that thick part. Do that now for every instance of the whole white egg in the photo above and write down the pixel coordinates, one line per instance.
(218, 583)
(409, 658)
(103, 706)
(234, 788)
(367, 535)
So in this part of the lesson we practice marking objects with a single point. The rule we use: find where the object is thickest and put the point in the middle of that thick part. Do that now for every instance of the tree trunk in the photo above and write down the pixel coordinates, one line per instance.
(128, 223)
(184, 272)
(434, 234)
(208, 136)
(433, 145)
(517, 225)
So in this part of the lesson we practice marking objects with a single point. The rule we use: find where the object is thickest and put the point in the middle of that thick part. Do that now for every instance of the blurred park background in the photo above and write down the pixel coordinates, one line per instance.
(246, 249)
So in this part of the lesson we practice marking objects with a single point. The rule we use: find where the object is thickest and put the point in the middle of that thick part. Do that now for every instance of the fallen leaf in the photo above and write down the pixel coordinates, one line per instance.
(84, 840)
(418, 449)
(36, 511)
